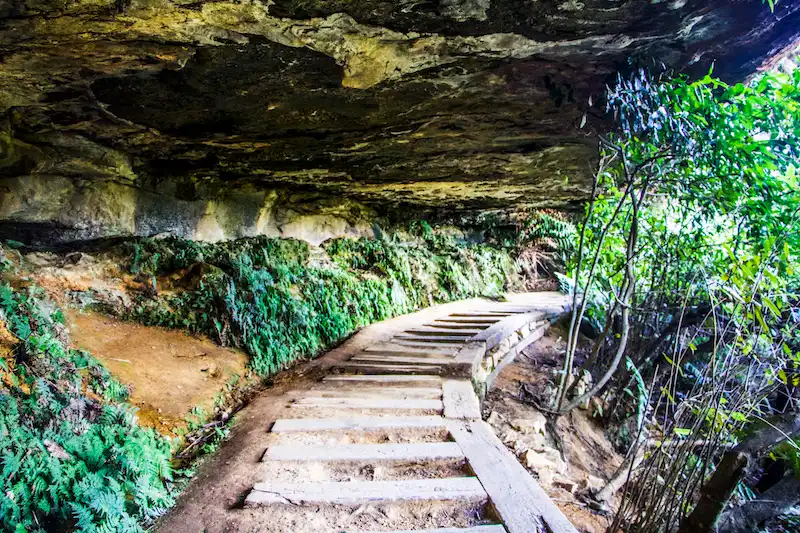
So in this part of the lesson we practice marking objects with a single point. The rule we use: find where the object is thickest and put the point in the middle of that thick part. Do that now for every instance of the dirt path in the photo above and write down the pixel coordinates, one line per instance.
(381, 434)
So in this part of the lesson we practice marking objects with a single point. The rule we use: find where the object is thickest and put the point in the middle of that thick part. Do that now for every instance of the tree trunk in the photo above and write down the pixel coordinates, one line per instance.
(715, 494)
(774, 502)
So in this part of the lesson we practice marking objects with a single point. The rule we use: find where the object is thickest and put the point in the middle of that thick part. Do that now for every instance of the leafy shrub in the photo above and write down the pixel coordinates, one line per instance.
(71, 452)
(265, 295)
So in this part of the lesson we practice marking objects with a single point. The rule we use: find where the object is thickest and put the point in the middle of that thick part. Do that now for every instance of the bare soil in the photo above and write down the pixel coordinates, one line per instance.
(168, 371)
(588, 458)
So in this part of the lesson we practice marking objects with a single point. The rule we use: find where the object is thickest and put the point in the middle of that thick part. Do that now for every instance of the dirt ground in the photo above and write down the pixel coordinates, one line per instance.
(168, 371)
(588, 459)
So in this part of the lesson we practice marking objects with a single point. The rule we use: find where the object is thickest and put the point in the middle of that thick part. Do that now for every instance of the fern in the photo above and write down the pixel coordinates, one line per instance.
(261, 294)
(61, 463)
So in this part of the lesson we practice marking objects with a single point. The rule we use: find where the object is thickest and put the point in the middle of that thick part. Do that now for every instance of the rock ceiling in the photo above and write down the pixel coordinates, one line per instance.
(447, 104)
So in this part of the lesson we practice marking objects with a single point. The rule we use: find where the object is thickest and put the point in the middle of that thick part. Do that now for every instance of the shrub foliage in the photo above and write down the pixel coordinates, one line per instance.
(71, 453)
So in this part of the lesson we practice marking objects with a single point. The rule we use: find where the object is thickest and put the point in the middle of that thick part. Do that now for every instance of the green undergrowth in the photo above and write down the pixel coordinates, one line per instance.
(280, 302)
(72, 455)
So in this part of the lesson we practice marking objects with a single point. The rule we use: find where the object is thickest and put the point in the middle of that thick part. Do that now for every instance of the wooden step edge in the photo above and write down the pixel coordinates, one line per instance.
(421, 352)
(495, 528)
(454, 328)
(401, 359)
(363, 423)
(482, 321)
(418, 451)
(464, 489)
(440, 331)
(520, 503)
(433, 339)
(385, 378)
(366, 390)
(369, 403)
(459, 400)
(374, 368)
(481, 314)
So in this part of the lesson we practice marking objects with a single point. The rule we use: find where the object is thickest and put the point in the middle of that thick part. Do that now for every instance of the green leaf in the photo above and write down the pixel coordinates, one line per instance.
(761, 321)
(772, 307)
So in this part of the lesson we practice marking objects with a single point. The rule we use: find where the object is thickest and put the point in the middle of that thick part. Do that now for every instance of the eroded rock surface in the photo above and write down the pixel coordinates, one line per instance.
(450, 105)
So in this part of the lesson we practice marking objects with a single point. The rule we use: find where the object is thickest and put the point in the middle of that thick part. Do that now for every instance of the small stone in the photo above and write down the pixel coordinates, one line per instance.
(510, 437)
(495, 419)
(550, 458)
(393, 513)
(545, 477)
(596, 407)
(535, 423)
(56, 451)
(564, 483)
(538, 461)
(592, 483)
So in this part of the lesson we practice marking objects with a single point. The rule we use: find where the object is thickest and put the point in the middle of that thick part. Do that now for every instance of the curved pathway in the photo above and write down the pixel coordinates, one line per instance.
(390, 438)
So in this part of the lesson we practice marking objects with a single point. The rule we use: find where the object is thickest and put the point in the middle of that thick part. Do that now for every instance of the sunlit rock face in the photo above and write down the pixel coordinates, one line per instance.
(121, 117)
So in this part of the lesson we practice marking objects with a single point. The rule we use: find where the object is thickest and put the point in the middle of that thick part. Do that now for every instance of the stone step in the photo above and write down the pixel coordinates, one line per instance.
(382, 378)
(370, 403)
(360, 423)
(477, 529)
(425, 451)
(465, 489)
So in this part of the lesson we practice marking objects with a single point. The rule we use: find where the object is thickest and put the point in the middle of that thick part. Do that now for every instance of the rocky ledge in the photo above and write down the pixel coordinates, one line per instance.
(143, 116)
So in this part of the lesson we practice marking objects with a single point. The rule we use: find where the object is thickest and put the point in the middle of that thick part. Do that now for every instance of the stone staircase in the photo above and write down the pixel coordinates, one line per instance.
(392, 439)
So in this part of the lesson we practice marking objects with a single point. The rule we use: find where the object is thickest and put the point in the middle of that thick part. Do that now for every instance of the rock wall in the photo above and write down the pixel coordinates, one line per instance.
(44, 209)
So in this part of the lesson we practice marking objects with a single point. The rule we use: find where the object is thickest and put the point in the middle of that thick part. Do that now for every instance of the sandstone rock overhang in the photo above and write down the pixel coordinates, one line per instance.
(451, 105)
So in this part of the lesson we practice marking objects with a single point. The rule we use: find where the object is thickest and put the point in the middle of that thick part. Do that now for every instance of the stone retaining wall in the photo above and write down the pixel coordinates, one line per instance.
(485, 355)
